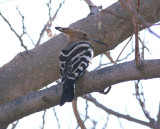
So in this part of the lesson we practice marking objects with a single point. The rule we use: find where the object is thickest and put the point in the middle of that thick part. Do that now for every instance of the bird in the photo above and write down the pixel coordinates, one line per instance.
(74, 60)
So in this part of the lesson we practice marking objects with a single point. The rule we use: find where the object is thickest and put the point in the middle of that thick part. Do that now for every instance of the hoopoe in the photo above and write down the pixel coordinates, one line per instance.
(74, 59)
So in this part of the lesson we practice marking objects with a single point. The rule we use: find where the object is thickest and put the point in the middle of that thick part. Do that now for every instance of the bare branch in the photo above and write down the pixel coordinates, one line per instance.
(127, 117)
(142, 102)
(75, 110)
(60, 6)
(105, 125)
(55, 114)
(41, 34)
(49, 22)
(86, 115)
(110, 58)
(124, 48)
(14, 124)
(24, 31)
(149, 29)
(23, 27)
(106, 64)
(43, 119)
(143, 48)
(120, 123)
(19, 37)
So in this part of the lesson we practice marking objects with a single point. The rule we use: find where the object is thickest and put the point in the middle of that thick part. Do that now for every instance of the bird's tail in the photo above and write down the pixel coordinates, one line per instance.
(68, 92)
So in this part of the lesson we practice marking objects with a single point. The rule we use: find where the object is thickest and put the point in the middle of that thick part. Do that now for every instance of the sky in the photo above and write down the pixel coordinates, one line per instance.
(120, 98)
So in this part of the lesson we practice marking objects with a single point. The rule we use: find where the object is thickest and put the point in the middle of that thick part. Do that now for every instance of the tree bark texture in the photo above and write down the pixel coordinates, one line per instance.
(91, 82)
(32, 70)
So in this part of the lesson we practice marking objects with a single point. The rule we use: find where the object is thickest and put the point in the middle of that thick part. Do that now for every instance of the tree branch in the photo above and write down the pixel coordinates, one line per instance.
(48, 25)
(119, 115)
(13, 30)
(141, 101)
(90, 82)
(40, 66)
(56, 117)
(76, 113)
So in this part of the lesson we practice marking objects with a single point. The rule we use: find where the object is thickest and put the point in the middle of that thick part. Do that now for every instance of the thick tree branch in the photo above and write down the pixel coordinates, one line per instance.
(90, 82)
(40, 66)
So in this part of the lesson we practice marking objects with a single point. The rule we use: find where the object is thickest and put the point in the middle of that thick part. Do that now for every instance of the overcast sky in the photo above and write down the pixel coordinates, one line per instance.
(35, 12)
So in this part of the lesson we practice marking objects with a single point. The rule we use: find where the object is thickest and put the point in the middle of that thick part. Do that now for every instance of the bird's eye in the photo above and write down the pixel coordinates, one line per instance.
(85, 35)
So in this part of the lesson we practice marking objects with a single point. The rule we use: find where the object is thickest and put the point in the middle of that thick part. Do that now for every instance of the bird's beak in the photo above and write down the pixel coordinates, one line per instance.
(60, 29)
(97, 41)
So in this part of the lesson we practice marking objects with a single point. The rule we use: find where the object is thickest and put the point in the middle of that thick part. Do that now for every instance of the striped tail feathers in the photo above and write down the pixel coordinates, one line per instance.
(68, 92)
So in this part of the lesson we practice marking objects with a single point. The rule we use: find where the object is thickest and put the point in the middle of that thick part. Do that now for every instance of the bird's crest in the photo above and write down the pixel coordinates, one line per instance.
(77, 35)
(74, 34)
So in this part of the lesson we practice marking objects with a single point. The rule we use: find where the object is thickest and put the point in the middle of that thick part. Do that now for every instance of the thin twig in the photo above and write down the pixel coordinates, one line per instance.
(55, 114)
(41, 34)
(142, 102)
(49, 22)
(149, 29)
(105, 125)
(143, 48)
(102, 65)
(120, 123)
(75, 110)
(19, 37)
(60, 6)
(43, 118)
(110, 58)
(49, 8)
(86, 109)
(23, 27)
(127, 117)
(124, 48)
(14, 124)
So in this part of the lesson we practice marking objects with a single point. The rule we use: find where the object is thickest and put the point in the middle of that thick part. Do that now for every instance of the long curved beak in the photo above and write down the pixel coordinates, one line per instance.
(97, 41)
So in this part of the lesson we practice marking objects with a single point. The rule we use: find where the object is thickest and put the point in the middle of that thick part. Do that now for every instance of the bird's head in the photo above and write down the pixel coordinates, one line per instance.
(74, 34)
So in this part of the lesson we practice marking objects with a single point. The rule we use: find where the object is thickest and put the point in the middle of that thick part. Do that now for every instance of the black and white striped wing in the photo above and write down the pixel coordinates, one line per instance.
(75, 60)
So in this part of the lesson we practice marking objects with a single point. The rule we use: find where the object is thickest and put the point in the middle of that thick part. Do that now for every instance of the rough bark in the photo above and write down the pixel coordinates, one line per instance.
(40, 66)
(90, 82)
